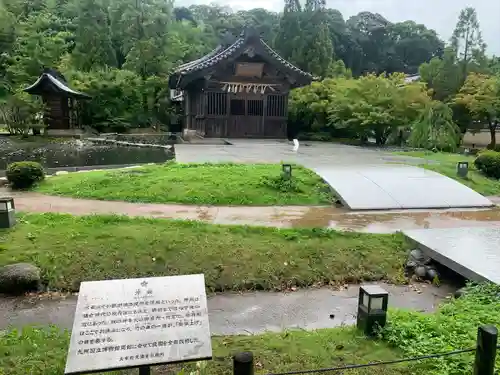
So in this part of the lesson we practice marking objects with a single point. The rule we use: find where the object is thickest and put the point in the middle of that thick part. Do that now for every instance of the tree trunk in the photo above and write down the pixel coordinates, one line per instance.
(380, 138)
(493, 135)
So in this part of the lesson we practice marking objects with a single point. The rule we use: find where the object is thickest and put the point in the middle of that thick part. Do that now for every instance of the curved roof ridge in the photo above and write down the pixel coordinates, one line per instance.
(55, 81)
(205, 57)
(215, 58)
(284, 61)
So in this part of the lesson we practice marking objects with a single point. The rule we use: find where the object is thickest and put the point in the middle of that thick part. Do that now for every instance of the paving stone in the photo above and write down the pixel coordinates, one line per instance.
(368, 187)
(471, 252)
(355, 190)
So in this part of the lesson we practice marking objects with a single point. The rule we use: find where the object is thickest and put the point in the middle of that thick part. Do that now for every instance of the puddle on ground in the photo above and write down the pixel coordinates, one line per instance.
(389, 221)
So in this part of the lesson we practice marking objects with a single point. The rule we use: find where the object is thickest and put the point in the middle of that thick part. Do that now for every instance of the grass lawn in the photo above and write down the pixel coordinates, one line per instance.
(43, 352)
(214, 184)
(72, 249)
(448, 167)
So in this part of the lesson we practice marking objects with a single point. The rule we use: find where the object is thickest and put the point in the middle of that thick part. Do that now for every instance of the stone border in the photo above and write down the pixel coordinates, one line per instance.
(54, 171)
(49, 172)
(129, 144)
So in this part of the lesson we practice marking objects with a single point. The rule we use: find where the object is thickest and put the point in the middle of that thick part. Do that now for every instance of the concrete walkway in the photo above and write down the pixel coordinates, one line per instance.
(278, 216)
(248, 313)
(310, 154)
(397, 186)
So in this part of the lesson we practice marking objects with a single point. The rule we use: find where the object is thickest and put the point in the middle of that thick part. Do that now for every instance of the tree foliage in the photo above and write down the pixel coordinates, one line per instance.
(372, 106)
(122, 52)
(480, 94)
(467, 41)
(435, 129)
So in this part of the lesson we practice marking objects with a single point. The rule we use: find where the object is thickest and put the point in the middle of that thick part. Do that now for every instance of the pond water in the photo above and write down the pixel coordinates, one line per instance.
(53, 153)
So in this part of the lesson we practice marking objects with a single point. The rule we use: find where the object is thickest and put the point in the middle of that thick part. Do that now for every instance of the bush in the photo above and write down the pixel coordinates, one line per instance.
(493, 148)
(282, 184)
(24, 174)
(488, 162)
(453, 327)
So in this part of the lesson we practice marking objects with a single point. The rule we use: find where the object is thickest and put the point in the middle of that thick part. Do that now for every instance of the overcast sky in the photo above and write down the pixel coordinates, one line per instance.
(440, 15)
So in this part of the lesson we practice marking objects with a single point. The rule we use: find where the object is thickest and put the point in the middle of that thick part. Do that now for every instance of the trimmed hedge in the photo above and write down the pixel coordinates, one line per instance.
(488, 162)
(24, 174)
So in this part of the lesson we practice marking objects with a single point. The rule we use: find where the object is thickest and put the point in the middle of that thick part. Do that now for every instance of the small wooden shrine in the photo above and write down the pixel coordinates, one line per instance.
(240, 89)
(61, 102)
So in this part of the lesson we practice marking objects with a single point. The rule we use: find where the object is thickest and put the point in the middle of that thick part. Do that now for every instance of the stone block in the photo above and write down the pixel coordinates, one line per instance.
(19, 278)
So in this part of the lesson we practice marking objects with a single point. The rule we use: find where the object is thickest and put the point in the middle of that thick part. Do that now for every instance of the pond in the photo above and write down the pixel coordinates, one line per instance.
(60, 153)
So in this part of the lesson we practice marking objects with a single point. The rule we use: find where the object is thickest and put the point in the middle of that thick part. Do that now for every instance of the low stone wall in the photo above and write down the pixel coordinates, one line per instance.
(126, 144)
(479, 139)
(90, 168)
(62, 133)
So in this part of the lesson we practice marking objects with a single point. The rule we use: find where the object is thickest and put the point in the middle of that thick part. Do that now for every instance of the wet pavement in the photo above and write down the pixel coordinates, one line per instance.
(470, 252)
(278, 216)
(246, 313)
(310, 154)
(397, 186)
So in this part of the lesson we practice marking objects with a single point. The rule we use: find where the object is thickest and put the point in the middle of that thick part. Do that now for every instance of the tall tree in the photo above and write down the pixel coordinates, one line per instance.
(287, 40)
(93, 47)
(7, 39)
(414, 44)
(40, 44)
(317, 47)
(467, 41)
(370, 32)
(442, 75)
(481, 95)
(143, 26)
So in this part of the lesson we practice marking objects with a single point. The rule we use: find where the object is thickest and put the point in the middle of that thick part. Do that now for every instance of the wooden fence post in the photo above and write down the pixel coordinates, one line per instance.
(486, 350)
(243, 363)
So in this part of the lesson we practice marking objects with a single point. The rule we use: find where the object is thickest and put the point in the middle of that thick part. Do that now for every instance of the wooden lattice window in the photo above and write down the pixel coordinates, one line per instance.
(276, 106)
(238, 107)
(216, 103)
(255, 107)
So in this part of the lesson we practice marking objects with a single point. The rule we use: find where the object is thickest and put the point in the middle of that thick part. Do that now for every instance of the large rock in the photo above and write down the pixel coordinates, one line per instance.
(420, 271)
(419, 257)
(19, 278)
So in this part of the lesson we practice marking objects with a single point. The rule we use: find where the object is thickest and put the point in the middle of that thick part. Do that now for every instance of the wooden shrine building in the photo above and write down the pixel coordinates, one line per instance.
(238, 90)
(61, 102)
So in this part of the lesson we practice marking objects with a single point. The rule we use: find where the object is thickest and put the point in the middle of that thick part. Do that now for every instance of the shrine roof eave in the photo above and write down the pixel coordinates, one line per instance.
(48, 83)
(188, 72)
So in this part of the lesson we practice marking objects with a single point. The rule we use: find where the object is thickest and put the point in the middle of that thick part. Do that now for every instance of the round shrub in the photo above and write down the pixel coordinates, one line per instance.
(24, 174)
(488, 162)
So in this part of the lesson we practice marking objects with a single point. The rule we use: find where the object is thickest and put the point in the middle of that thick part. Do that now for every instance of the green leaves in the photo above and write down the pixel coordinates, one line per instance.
(480, 94)
(93, 47)
(435, 129)
(453, 327)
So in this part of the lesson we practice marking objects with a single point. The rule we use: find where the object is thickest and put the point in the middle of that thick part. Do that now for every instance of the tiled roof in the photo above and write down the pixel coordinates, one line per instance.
(221, 53)
(61, 86)
(187, 65)
(288, 64)
(211, 59)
